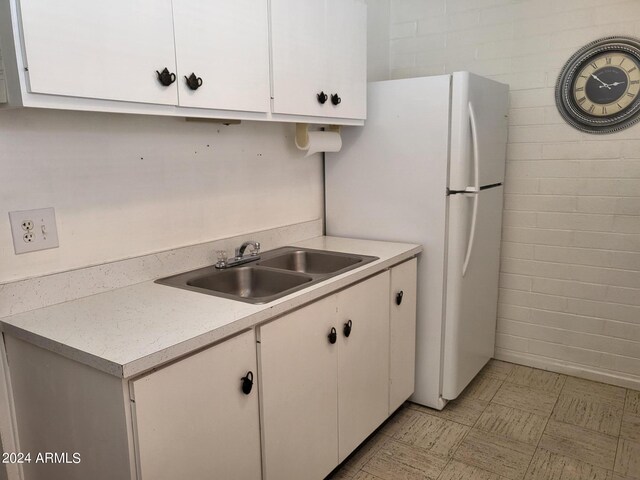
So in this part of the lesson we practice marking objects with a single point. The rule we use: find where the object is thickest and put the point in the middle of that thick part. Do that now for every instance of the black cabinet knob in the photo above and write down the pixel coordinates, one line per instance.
(333, 336)
(347, 328)
(193, 82)
(399, 296)
(335, 99)
(247, 383)
(165, 77)
(322, 98)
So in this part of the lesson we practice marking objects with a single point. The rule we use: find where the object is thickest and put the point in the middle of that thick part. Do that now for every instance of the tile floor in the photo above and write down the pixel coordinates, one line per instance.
(512, 422)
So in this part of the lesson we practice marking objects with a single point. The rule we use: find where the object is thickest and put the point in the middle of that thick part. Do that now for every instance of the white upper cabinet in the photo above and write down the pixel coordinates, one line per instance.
(225, 45)
(319, 58)
(104, 50)
(346, 49)
(280, 60)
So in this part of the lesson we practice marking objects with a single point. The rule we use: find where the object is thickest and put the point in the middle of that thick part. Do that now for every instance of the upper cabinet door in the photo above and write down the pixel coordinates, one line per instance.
(346, 49)
(225, 45)
(299, 60)
(105, 50)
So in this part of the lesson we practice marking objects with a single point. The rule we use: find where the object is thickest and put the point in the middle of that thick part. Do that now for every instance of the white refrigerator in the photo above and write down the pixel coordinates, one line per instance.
(428, 168)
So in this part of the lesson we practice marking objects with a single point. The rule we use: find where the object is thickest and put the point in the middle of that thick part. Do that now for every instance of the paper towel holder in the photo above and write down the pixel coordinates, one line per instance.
(302, 134)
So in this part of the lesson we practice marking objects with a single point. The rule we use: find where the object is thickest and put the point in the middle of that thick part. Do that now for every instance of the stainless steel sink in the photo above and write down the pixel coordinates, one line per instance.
(249, 282)
(278, 273)
(306, 261)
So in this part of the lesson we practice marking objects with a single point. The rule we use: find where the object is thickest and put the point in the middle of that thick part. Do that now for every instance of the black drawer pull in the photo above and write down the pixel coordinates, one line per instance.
(333, 336)
(347, 328)
(399, 296)
(247, 383)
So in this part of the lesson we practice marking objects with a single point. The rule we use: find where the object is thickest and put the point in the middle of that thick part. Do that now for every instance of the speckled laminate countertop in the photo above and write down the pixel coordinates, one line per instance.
(130, 330)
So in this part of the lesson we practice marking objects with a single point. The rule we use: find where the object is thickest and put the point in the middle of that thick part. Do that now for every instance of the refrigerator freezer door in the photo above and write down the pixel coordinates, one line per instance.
(479, 111)
(475, 225)
(389, 183)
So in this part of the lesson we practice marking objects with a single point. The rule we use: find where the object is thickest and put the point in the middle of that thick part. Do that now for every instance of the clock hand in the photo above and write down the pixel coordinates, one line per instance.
(603, 84)
(614, 84)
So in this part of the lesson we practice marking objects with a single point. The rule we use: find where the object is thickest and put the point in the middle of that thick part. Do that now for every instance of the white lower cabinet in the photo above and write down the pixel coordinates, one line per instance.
(193, 420)
(324, 377)
(324, 388)
(298, 366)
(363, 361)
(402, 333)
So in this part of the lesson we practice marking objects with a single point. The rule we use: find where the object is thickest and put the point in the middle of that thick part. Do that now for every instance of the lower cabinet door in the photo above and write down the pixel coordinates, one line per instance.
(299, 393)
(363, 360)
(193, 420)
(402, 333)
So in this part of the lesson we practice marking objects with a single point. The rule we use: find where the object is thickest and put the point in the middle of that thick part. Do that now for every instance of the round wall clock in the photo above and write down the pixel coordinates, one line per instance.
(598, 89)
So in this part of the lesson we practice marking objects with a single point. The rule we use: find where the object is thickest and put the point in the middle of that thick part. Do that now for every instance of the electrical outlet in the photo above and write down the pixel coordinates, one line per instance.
(34, 230)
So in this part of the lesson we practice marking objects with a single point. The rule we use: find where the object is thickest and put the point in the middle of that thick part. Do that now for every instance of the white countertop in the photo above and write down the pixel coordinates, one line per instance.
(133, 329)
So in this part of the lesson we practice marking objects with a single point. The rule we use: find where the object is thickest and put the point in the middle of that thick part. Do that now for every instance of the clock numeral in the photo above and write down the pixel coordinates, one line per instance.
(594, 65)
(582, 100)
(635, 82)
(604, 110)
(619, 105)
(584, 76)
(592, 108)
(608, 60)
(629, 71)
(622, 61)
(580, 89)
(630, 95)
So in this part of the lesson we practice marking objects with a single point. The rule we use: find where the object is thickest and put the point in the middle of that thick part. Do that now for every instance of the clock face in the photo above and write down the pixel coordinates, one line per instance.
(598, 89)
(607, 84)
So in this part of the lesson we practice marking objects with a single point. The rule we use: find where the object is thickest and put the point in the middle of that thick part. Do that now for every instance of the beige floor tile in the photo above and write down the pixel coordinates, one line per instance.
(630, 427)
(399, 461)
(628, 458)
(363, 454)
(529, 399)
(483, 387)
(536, 379)
(397, 421)
(512, 423)
(495, 454)
(362, 475)
(551, 466)
(620, 477)
(461, 471)
(436, 435)
(632, 403)
(579, 443)
(594, 391)
(341, 474)
(498, 369)
(599, 416)
(464, 409)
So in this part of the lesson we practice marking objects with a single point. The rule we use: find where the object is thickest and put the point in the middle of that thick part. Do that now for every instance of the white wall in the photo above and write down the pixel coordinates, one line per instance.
(126, 185)
(378, 39)
(570, 274)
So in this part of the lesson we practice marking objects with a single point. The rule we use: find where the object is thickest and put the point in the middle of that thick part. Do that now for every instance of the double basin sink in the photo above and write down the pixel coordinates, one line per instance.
(273, 275)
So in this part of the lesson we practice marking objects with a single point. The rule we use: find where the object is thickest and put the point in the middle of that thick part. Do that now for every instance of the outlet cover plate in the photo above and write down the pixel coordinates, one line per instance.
(34, 230)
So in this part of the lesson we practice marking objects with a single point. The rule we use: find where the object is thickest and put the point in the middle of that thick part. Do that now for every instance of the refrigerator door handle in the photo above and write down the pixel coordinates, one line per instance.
(476, 154)
(472, 234)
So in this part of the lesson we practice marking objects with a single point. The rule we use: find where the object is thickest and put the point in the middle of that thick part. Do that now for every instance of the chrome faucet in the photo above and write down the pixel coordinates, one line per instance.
(251, 243)
(239, 259)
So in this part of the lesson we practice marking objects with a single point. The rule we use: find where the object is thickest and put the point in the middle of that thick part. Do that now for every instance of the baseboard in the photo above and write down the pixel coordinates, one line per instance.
(569, 368)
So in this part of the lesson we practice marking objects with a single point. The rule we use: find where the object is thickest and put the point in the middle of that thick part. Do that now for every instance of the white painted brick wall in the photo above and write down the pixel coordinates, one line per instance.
(570, 271)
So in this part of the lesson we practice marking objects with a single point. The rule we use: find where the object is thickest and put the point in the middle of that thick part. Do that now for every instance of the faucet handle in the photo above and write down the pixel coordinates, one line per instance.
(222, 259)
(256, 250)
